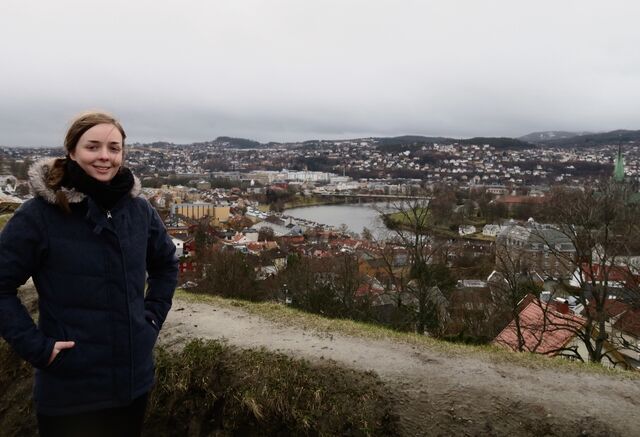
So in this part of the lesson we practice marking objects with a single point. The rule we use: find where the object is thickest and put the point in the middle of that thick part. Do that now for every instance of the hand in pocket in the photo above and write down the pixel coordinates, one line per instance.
(58, 347)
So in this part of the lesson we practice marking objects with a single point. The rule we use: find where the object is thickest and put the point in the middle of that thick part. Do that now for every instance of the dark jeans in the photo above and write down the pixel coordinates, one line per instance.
(110, 422)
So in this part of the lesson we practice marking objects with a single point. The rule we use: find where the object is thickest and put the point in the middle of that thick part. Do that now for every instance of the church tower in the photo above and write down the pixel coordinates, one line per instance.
(618, 172)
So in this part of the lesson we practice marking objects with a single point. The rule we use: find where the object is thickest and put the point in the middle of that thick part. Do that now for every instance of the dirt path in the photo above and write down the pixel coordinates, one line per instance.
(436, 394)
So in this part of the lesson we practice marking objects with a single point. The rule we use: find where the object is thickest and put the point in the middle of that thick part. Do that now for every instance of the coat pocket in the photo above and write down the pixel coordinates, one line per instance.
(58, 360)
(65, 363)
(151, 336)
(68, 361)
(59, 334)
(145, 341)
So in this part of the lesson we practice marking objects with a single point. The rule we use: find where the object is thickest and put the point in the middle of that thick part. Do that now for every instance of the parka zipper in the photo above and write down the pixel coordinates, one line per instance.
(109, 214)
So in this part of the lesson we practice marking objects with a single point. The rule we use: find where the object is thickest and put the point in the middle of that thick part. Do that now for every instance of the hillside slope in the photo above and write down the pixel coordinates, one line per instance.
(437, 391)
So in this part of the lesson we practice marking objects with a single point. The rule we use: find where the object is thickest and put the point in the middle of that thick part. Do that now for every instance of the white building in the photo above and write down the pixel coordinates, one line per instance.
(491, 230)
(179, 246)
(466, 230)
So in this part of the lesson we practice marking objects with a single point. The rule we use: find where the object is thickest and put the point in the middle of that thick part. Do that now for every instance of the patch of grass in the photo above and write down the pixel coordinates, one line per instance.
(401, 218)
(213, 389)
(479, 236)
(4, 218)
(288, 316)
(444, 232)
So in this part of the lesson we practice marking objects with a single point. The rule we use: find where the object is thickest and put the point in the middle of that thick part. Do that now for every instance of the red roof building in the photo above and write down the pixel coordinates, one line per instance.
(615, 276)
(546, 328)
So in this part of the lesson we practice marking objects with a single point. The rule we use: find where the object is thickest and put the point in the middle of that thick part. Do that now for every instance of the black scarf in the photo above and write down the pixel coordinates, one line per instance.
(105, 194)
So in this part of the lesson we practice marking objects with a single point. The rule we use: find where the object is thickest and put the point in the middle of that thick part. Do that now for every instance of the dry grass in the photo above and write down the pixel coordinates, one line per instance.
(4, 218)
(210, 388)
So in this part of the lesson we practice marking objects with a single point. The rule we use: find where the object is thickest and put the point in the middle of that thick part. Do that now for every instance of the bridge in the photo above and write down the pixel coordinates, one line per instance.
(348, 196)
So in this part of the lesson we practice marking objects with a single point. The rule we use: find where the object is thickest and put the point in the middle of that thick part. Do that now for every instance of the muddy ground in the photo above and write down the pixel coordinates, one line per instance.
(437, 393)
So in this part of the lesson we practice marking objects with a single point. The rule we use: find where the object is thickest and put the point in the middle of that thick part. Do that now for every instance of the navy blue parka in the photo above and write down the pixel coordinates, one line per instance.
(90, 269)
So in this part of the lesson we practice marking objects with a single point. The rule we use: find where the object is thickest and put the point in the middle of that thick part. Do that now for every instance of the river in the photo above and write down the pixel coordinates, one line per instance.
(354, 216)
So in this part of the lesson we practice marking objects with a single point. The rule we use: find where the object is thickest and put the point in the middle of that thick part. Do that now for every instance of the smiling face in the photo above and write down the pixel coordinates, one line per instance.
(99, 152)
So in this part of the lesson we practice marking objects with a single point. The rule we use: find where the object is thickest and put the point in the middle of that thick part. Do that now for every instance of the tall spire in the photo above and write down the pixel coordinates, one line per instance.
(618, 172)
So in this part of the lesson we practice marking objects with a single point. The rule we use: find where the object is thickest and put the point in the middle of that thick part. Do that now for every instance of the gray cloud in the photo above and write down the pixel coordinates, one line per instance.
(289, 70)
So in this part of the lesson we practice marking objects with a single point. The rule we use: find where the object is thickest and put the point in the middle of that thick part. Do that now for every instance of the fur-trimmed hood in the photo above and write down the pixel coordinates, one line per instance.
(38, 173)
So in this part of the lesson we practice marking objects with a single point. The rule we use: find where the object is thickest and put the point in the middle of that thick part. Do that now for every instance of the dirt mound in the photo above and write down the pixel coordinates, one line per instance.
(436, 393)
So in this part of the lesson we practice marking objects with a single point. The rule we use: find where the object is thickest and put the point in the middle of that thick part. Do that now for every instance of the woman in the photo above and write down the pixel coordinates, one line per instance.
(90, 243)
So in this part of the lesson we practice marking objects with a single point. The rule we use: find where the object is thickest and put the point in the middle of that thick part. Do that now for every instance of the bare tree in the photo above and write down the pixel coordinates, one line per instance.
(326, 286)
(230, 274)
(515, 288)
(603, 224)
(426, 280)
(346, 281)
(300, 279)
(510, 283)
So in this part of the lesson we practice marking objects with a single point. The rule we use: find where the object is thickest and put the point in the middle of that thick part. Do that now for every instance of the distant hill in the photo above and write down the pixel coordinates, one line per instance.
(410, 142)
(551, 135)
(498, 142)
(275, 144)
(159, 144)
(590, 140)
(393, 143)
(241, 143)
(411, 139)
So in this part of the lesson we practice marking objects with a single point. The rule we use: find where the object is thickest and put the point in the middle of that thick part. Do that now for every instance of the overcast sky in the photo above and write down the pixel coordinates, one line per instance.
(192, 70)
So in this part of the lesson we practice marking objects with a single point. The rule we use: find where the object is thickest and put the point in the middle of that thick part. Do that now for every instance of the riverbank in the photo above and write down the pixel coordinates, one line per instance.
(301, 202)
(398, 220)
(370, 215)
